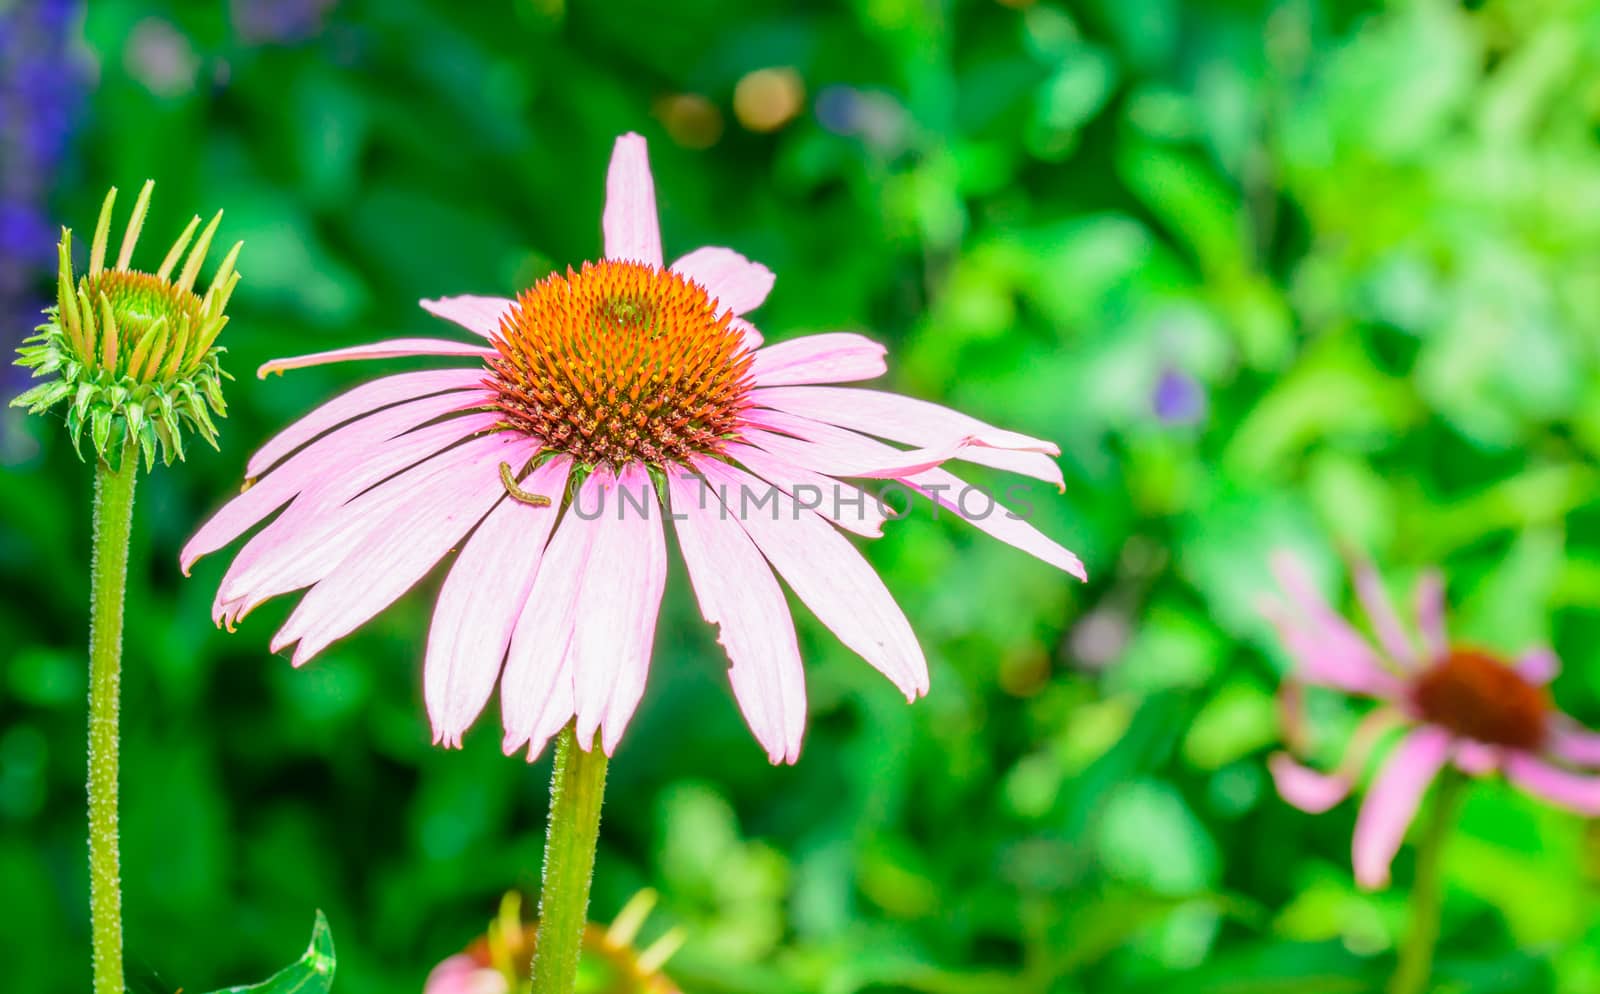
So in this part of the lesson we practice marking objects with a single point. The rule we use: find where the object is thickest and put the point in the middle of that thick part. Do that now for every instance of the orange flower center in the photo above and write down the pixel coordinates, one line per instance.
(1479, 697)
(621, 362)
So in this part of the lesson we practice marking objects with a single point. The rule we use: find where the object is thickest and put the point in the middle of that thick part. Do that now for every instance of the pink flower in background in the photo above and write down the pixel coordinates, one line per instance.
(1456, 705)
(594, 397)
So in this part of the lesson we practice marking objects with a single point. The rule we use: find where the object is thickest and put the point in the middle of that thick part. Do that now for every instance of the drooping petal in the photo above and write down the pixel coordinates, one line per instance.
(1575, 744)
(1326, 649)
(835, 357)
(392, 349)
(909, 422)
(738, 593)
(1430, 615)
(1392, 802)
(994, 519)
(316, 531)
(409, 542)
(365, 399)
(479, 315)
(1574, 791)
(1380, 610)
(480, 601)
(616, 627)
(735, 282)
(536, 691)
(1304, 787)
(848, 507)
(1538, 666)
(328, 457)
(827, 573)
(632, 228)
(833, 450)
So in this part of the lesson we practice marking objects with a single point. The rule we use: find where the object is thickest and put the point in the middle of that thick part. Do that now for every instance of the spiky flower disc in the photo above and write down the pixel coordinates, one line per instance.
(134, 354)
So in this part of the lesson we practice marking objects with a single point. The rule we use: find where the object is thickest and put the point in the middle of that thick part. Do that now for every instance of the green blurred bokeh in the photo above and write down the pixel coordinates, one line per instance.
(1315, 273)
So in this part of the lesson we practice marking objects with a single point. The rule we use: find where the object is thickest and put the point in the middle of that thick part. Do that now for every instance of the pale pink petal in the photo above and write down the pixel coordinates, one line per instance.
(480, 315)
(738, 593)
(1538, 666)
(1304, 787)
(536, 690)
(915, 422)
(836, 357)
(326, 458)
(1430, 616)
(848, 507)
(632, 229)
(480, 600)
(1477, 759)
(404, 547)
(735, 282)
(316, 531)
(1327, 650)
(1575, 744)
(993, 519)
(622, 587)
(392, 349)
(827, 573)
(1392, 802)
(1574, 791)
(365, 399)
(836, 451)
(461, 974)
(1380, 610)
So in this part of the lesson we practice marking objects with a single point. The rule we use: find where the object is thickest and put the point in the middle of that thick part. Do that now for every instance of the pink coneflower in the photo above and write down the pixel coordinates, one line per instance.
(1457, 706)
(615, 388)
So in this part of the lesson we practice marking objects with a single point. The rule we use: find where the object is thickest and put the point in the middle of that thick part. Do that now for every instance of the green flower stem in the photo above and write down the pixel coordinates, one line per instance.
(576, 788)
(113, 519)
(1427, 890)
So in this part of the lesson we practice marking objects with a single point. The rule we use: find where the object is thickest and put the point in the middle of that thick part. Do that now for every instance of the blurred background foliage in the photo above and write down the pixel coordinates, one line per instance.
(1318, 273)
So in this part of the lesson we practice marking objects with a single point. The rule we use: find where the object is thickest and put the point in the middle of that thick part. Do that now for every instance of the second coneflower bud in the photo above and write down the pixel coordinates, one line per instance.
(134, 354)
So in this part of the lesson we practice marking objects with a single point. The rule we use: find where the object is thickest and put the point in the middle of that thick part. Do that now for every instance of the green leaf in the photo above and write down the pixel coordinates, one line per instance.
(311, 974)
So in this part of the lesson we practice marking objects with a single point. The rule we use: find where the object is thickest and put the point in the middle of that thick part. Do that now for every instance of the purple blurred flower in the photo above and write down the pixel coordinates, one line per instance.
(1178, 398)
(40, 93)
(279, 22)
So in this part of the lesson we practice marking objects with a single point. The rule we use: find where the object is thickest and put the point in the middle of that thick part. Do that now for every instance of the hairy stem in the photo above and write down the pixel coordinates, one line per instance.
(1427, 890)
(113, 519)
(576, 788)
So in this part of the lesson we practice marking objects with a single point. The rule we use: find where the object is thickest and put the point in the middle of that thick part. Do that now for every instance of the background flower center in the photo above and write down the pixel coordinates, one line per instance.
(621, 362)
(1476, 695)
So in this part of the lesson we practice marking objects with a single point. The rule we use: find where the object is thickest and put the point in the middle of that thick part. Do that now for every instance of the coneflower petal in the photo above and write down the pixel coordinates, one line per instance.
(630, 224)
(536, 695)
(1573, 791)
(834, 357)
(828, 574)
(316, 532)
(479, 315)
(480, 600)
(738, 284)
(408, 542)
(738, 593)
(1392, 802)
(361, 400)
(847, 506)
(394, 348)
(329, 457)
(622, 587)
